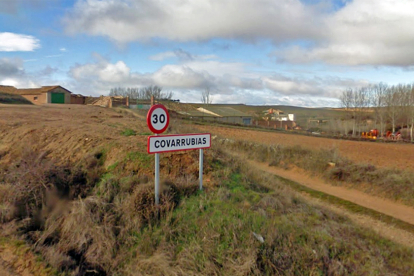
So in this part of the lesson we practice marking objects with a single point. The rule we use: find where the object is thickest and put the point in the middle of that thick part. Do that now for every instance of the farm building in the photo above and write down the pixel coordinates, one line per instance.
(46, 94)
(77, 99)
(277, 115)
(273, 111)
(276, 124)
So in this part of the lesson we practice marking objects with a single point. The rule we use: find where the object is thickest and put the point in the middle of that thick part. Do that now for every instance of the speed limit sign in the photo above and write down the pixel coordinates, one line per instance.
(158, 118)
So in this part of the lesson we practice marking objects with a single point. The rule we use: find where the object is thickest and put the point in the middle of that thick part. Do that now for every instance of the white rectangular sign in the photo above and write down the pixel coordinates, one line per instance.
(167, 143)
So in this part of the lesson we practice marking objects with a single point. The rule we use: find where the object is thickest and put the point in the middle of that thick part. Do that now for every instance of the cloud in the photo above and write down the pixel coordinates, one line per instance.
(63, 49)
(12, 72)
(181, 55)
(178, 20)
(163, 56)
(102, 70)
(11, 67)
(11, 42)
(364, 32)
(48, 71)
(358, 32)
(13, 6)
(228, 82)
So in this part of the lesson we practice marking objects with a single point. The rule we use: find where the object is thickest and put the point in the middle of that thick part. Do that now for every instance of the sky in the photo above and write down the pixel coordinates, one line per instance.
(259, 52)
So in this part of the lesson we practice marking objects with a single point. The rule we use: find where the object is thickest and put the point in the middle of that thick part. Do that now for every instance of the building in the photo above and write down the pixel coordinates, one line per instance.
(226, 115)
(45, 94)
(273, 111)
(276, 124)
(77, 99)
(277, 115)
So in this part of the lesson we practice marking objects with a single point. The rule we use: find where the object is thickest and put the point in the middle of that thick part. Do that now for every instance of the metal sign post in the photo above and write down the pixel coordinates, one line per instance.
(158, 120)
(157, 178)
(200, 170)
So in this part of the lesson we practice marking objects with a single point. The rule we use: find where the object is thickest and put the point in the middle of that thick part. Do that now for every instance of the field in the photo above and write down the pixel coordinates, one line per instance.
(397, 156)
(76, 198)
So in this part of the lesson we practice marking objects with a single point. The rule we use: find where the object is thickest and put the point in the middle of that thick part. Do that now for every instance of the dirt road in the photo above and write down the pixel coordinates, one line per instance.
(384, 206)
(386, 155)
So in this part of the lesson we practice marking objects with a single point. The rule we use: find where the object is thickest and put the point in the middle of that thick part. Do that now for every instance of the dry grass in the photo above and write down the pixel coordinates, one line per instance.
(389, 183)
(113, 227)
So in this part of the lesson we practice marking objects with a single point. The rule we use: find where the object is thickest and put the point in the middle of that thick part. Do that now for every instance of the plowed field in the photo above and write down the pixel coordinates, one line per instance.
(386, 155)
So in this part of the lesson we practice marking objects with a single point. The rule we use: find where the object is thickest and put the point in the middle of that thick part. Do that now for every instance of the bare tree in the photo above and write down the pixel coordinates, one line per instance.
(141, 93)
(378, 103)
(206, 97)
(346, 101)
(393, 99)
(411, 112)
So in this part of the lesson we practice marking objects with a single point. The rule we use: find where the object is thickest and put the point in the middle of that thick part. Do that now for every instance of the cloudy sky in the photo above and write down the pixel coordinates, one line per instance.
(294, 52)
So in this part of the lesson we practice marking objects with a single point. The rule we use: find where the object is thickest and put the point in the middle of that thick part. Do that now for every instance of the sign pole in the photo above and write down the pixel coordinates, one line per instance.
(201, 170)
(157, 178)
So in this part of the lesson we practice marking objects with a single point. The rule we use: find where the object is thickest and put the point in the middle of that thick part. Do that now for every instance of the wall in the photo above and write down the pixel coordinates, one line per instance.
(77, 100)
(234, 120)
(275, 124)
(41, 98)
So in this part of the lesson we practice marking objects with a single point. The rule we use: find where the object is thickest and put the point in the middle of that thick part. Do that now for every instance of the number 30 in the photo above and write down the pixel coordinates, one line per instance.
(156, 120)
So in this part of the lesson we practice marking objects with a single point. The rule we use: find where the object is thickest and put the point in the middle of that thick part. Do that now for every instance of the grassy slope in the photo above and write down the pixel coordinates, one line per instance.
(111, 225)
(6, 98)
(213, 234)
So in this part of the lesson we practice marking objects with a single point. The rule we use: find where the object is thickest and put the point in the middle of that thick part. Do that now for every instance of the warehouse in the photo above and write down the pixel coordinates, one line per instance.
(46, 94)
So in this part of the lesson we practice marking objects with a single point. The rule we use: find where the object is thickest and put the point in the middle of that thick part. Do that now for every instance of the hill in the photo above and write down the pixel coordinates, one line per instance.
(302, 114)
(76, 185)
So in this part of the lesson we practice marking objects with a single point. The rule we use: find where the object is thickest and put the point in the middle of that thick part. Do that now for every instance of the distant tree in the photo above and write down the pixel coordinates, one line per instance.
(347, 99)
(206, 97)
(393, 101)
(378, 104)
(144, 93)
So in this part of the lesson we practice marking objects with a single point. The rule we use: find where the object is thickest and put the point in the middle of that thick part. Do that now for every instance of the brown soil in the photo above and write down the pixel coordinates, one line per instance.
(385, 155)
(384, 206)
(67, 132)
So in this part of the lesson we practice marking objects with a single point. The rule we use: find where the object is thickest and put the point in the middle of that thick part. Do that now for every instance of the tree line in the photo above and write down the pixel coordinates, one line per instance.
(390, 107)
(144, 93)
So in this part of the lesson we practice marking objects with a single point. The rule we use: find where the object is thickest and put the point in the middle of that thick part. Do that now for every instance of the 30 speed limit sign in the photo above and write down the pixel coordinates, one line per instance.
(158, 118)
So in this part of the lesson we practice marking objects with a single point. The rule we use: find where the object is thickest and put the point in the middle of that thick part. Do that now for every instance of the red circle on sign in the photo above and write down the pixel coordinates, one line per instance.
(156, 122)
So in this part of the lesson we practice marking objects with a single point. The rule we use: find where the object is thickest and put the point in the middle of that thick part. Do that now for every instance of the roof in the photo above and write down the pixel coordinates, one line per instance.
(29, 91)
(223, 111)
(272, 111)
